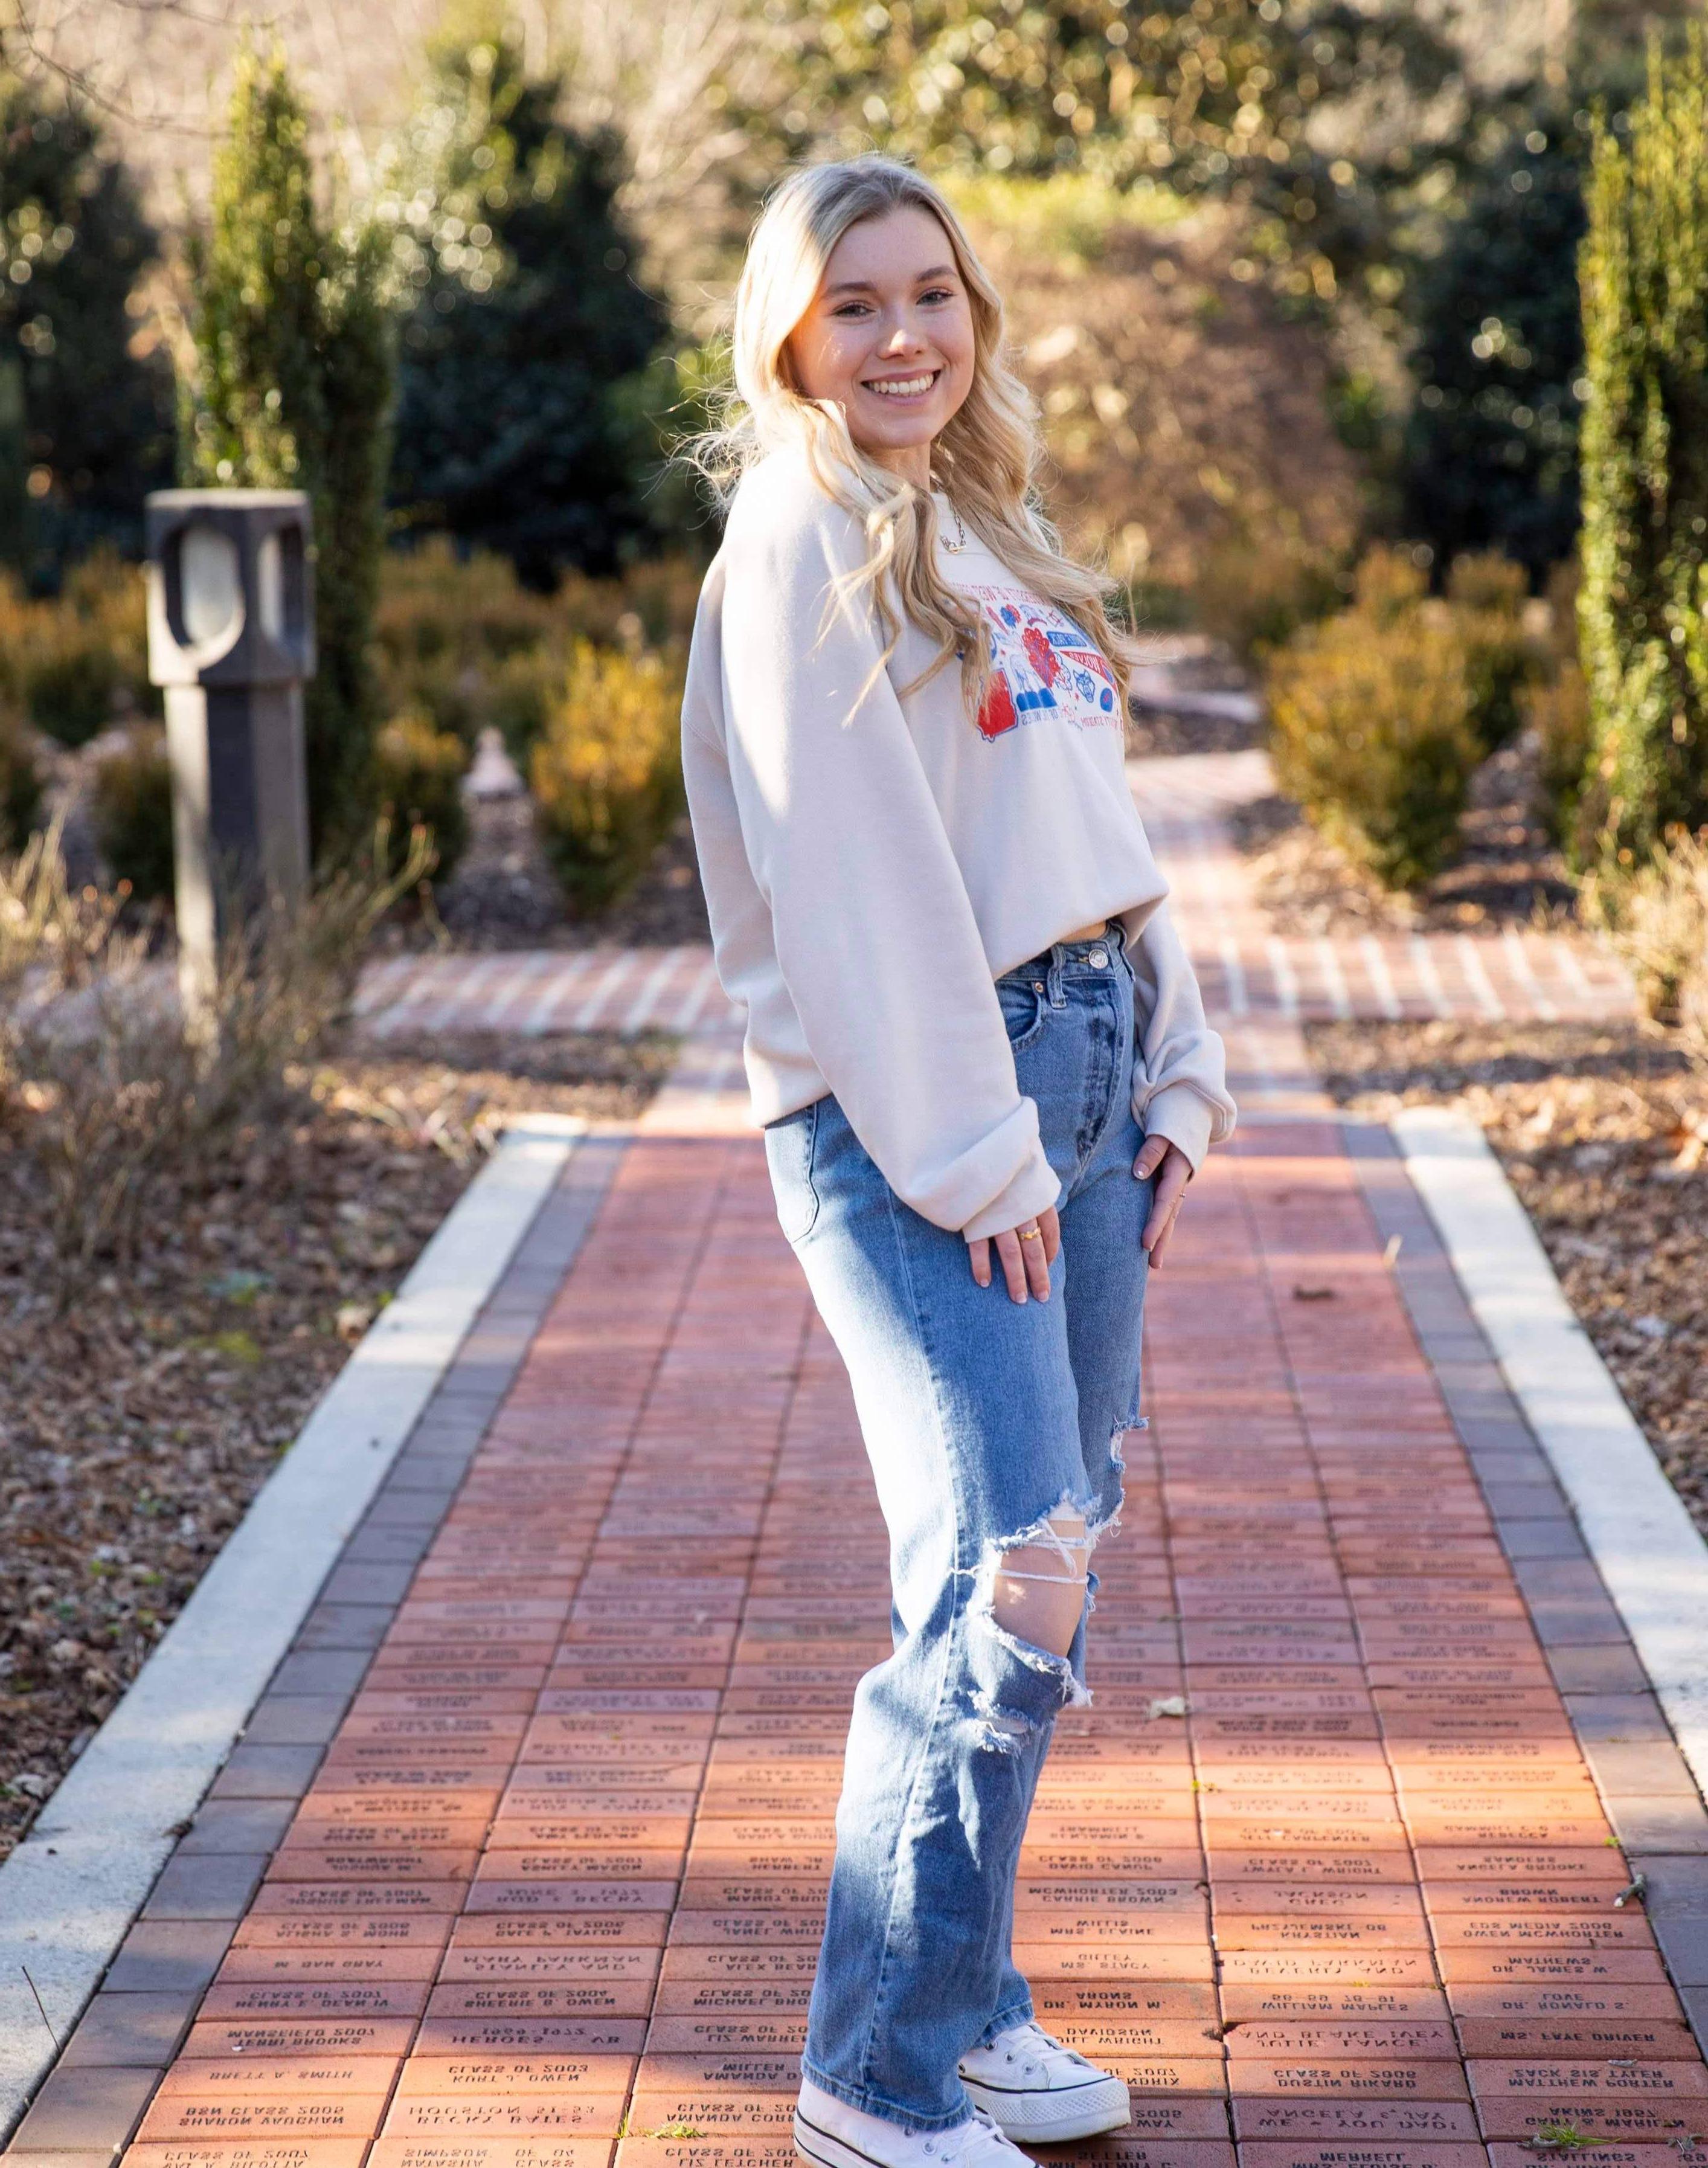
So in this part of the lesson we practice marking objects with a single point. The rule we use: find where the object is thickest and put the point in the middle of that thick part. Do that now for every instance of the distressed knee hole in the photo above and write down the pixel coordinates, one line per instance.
(1038, 1591)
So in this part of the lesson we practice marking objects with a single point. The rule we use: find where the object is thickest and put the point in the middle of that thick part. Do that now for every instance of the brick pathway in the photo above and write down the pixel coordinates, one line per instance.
(521, 1859)
(1247, 970)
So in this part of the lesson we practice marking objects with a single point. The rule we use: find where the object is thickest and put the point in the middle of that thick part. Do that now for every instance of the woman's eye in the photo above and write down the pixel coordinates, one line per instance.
(937, 294)
(850, 309)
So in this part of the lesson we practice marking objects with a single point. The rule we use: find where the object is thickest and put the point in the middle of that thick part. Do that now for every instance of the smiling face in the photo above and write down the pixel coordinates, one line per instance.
(889, 338)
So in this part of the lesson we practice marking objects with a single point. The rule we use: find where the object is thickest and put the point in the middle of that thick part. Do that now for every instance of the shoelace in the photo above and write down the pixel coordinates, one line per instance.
(1039, 2039)
(963, 2135)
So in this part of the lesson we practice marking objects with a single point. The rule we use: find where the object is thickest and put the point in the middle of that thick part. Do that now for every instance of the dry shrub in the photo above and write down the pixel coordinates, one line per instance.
(1371, 728)
(1486, 598)
(462, 641)
(1255, 592)
(72, 663)
(419, 771)
(521, 692)
(1387, 583)
(1381, 715)
(131, 804)
(114, 1100)
(1557, 713)
(1657, 918)
(607, 770)
(20, 783)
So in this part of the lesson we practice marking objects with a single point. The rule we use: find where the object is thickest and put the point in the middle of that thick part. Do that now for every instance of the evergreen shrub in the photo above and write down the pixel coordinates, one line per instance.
(293, 390)
(85, 410)
(518, 427)
(1644, 549)
(1489, 456)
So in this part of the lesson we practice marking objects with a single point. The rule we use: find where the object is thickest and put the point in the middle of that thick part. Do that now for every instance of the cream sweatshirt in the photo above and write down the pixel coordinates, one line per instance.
(873, 861)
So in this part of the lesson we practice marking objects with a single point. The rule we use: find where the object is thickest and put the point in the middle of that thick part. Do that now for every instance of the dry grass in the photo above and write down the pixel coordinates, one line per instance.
(109, 1093)
(1658, 922)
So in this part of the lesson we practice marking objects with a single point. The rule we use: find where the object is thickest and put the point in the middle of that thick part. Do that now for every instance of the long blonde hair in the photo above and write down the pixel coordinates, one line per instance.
(985, 460)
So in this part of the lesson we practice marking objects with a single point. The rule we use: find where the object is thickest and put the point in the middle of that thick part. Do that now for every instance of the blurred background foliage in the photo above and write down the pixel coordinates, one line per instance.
(86, 421)
(1292, 281)
(520, 308)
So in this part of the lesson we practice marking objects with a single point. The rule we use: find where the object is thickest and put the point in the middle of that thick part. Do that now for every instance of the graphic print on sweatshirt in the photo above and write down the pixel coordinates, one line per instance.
(1044, 665)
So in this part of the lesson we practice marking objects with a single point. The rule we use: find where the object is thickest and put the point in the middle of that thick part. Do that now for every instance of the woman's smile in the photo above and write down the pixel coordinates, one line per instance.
(903, 387)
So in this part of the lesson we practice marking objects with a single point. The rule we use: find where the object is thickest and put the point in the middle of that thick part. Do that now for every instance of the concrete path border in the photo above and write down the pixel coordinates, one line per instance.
(1649, 1552)
(70, 1892)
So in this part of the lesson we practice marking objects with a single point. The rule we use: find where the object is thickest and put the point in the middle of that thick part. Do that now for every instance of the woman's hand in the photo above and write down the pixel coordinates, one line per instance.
(1027, 1252)
(1173, 1170)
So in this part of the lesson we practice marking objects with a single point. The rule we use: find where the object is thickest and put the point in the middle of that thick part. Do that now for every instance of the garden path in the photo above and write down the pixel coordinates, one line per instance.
(522, 1859)
(1246, 970)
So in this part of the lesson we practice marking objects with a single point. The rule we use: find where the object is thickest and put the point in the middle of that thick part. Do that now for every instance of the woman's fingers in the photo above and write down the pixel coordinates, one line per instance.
(1176, 1172)
(1157, 1238)
(1025, 1255)
(1151, 1154)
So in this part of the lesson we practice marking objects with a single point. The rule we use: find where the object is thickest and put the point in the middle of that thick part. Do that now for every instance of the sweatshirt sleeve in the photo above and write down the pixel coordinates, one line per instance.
(874, 932)
(1180, 1086)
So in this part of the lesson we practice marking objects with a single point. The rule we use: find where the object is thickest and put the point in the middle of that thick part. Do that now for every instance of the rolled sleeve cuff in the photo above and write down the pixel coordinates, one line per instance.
(1034, 1189)
(1185, 1118)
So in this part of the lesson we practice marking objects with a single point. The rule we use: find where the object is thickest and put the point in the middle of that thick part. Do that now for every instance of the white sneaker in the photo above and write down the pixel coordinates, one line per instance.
(834, 2135)
(1040, 2091)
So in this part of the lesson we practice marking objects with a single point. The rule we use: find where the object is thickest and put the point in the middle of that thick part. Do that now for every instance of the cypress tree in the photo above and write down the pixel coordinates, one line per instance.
(294, 392)
(1643, 272)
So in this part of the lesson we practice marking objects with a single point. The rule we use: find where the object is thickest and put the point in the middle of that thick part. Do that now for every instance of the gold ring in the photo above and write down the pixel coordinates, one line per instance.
(1029, 1235)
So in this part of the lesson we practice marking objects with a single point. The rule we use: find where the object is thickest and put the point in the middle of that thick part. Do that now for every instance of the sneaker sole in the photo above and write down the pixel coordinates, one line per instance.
(826, 2150)
(1041, 2118)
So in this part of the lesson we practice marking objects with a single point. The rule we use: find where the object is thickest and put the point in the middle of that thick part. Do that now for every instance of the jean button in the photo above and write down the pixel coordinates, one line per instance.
(1098, 959)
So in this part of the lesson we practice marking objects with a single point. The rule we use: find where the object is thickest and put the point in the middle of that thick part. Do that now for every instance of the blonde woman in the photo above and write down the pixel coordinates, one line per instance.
(980, 1058)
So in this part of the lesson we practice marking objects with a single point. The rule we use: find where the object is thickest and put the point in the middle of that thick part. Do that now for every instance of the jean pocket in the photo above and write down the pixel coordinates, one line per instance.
(790, 1146)
(1023, 1007)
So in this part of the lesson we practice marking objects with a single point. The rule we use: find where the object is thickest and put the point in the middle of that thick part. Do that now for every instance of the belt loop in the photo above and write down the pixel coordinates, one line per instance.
(1058, 956)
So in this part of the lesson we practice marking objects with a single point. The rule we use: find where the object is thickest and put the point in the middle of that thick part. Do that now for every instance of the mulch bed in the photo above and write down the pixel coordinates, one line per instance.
(1507, 872)
(1603, 1130)
(137, 1423)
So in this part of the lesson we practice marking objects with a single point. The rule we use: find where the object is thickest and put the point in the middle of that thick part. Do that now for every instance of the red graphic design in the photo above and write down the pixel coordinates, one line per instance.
(1042, 664)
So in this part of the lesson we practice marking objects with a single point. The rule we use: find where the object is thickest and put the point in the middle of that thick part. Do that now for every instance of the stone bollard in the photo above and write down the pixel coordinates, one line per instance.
(231, 639)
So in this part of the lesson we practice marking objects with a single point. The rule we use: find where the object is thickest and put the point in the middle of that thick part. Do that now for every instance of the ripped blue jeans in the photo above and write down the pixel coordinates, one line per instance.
(982, 1418)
